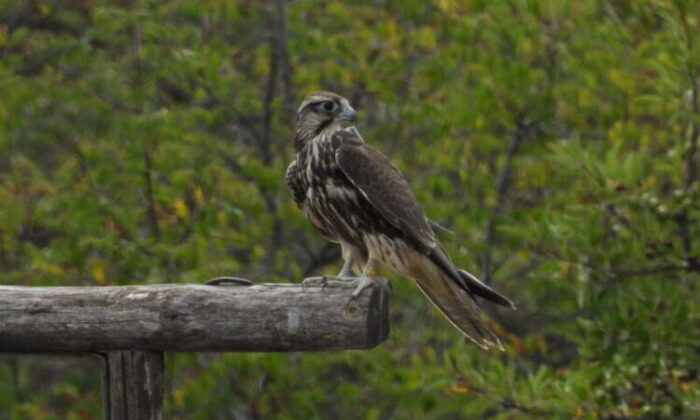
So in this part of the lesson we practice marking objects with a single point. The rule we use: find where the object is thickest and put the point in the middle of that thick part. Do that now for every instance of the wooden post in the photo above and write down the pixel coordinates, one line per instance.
(133, 385)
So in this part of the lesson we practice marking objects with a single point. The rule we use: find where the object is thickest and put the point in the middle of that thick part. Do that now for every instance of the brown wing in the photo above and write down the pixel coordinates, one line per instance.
(388, 191)
(383, 186)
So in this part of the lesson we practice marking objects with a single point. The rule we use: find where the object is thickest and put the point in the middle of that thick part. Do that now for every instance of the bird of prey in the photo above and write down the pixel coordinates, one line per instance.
(355, 196)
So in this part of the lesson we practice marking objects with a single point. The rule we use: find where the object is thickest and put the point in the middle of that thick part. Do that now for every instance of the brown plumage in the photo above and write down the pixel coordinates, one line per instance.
(354, 196)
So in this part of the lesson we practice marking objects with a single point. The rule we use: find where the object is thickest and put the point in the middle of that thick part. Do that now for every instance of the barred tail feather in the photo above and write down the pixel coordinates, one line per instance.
(456, 305)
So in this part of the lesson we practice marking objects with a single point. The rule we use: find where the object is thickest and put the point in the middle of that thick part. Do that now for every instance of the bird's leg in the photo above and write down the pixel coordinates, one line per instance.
(368, 279)
(346, 271)
(345, 275)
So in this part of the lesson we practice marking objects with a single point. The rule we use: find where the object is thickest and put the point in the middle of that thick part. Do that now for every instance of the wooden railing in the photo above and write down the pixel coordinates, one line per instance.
(131, 327)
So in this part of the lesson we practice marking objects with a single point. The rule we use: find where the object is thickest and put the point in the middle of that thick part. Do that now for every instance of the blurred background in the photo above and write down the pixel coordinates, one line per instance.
(146, 142)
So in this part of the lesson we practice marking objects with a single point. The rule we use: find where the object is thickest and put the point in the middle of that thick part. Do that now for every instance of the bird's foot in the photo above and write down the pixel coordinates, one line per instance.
(236, 281)
(328, 280)
(365, 282)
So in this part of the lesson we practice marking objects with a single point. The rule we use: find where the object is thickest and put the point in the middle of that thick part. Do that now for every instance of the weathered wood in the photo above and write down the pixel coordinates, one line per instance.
(133, 385)
(266, 317)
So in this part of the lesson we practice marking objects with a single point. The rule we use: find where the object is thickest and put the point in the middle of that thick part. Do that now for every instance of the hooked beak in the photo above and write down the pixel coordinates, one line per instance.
(348, 114)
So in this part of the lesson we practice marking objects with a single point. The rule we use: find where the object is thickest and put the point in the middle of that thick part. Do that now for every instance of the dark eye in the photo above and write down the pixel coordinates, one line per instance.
(328, 105)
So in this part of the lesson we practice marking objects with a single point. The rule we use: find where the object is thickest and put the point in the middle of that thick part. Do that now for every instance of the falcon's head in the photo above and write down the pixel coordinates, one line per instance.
(321, 111)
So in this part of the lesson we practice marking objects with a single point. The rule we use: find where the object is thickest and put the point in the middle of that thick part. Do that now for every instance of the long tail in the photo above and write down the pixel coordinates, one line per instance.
(458, 306)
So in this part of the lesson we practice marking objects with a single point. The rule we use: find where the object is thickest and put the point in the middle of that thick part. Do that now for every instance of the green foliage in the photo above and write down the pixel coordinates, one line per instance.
(147, 141)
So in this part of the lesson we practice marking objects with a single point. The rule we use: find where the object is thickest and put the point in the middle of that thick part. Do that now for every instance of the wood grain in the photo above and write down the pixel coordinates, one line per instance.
(134, 385)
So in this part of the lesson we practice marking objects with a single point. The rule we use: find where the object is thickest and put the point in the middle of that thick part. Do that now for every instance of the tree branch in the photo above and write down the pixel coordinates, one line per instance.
(503, 183)
(150, 196)
(683, 218)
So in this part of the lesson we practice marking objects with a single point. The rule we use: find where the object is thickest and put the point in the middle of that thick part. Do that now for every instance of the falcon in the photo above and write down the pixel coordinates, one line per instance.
(353, 195)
